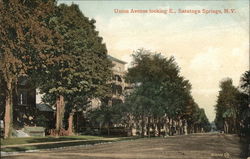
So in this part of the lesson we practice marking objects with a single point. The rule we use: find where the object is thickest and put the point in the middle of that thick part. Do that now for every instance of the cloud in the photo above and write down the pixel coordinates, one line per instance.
(205, 53)
(208, 60)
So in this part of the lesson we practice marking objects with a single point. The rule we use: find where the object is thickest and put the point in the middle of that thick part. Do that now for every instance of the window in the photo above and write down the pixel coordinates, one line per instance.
(22, 97)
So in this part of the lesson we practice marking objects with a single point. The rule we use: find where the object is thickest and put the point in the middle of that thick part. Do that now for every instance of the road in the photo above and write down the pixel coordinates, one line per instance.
(196, 146)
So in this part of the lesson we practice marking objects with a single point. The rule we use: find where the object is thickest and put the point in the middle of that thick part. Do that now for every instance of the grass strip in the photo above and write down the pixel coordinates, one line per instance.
(28, 140)
(37, 146)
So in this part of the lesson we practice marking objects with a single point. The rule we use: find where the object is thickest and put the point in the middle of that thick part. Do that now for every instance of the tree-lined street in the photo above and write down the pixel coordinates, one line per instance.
(59, 83)
(197, 146)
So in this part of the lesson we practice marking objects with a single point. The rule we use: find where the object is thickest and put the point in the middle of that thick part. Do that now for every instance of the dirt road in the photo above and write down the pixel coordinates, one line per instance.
(197, 146)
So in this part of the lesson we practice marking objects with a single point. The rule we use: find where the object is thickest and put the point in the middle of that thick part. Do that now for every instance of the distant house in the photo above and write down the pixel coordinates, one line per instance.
(24, 104)
(26, 110)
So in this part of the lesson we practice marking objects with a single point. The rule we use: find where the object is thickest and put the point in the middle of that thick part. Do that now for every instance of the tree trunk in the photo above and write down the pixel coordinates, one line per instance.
(225, 126)
(178, 129)
(165, 127)
(70, 123)
(170, 126)
(159, 124)
(108, 130)
(148, 127)
(142, 127)
(59, 114)
(185, 127)
(154, 126)
(8, 116)
(100, 128)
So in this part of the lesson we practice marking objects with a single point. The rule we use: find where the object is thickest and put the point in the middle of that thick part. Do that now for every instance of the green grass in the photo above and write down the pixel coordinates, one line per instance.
(49, 146)
(87, 140)
(28, 140)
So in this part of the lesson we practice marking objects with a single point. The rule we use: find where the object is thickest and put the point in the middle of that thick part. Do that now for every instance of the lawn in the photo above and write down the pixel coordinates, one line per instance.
(34, 143)
(28, 140)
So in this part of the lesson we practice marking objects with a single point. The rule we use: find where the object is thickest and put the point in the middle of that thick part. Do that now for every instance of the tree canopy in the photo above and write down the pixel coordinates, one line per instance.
(159, 91)
(25, 40)
(84, 71)
(232, 106)
(55, 46)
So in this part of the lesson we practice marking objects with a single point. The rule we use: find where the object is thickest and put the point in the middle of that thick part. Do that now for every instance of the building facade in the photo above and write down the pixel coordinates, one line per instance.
(24, 104)
(118, 83)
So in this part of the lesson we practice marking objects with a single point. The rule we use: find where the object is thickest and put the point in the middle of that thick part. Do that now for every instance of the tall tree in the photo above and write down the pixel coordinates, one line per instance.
(226, 107)
(245, 82)
(84, 72)
(25, 40)
(2, 97)
(243, 103)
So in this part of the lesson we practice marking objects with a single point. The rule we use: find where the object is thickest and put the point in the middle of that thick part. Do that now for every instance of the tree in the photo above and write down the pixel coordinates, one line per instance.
(232, 108)
(245, 82)
(25, 40)
(159, 90)
(201, 122)
(243, 103)
(226, 107)
(2, 97)
(103, 116)
(84, 71)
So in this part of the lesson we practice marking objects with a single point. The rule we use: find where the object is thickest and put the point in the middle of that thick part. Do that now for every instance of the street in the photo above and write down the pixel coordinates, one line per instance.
(196, 146)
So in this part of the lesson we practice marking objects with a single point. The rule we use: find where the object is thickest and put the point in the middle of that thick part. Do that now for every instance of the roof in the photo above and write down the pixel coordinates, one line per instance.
(22, 81)
(44, 107)
(117, 60)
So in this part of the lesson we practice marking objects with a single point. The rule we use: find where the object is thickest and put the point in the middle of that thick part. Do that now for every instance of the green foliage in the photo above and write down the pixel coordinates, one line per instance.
(102, 115)
(231, 104)
(159, 89)
(25, 40)
(57, 46)
(85, 69)
(243, 99)
(245, 83)
(41, 120)
(82, 70)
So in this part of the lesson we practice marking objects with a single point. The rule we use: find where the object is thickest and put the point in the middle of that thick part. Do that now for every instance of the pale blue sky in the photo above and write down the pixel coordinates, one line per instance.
(208, 48)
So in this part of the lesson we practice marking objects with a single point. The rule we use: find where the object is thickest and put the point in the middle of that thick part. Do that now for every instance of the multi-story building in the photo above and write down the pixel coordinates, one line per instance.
(118, 84)
(118, 80)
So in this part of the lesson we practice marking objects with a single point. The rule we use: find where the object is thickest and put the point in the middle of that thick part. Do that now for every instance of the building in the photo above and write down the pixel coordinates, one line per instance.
(118, 81)
(27, 110)
(24, 104)
(118, 84)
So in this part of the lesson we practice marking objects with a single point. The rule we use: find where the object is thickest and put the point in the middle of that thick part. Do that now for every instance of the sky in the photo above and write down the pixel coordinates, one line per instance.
(207, 47)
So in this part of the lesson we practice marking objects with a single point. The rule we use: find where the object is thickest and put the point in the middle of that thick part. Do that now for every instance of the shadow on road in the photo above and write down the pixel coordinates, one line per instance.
(245, 145)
